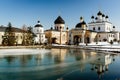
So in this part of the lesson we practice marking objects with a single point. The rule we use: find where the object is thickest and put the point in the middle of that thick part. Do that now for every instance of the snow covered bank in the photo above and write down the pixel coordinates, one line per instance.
(102, 46)
(5, 52)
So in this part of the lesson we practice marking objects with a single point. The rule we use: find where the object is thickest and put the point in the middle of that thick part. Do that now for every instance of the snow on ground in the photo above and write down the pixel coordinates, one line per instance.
(22, 51)
(103, 46)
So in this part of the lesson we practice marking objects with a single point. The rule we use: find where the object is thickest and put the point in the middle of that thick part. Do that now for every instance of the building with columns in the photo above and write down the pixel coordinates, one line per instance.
(58, 34)
(39, 32)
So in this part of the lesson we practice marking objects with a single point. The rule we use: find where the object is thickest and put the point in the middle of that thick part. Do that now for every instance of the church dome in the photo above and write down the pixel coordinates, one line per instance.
(59, 20)
(96, 18)
(79, 25)
(92, 17)
(106, 17)
(38, 24)
(103, 15)
(113, 26)
(99, 13)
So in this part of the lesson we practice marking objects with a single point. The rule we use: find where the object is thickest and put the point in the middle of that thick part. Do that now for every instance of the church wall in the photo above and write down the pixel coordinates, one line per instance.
(56, 34)
(108, 27)
(19, 37)
(108, 36)
(1, 34)
(57, 26)
(92, 36)
(117, 36)
(38, 30)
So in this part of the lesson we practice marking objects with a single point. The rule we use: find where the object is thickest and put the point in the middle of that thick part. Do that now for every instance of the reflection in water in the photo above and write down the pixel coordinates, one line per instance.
(9, 59)
(101, 64)
(59, 55)
(24, 59)
(63, 63)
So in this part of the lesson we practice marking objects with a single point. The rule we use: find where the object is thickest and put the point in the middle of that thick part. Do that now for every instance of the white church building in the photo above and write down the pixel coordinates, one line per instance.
(100, 29)
(106, 31)
(39, 32)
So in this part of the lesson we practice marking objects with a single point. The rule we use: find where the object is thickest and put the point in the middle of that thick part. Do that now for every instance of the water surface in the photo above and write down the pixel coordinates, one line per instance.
(60, 64)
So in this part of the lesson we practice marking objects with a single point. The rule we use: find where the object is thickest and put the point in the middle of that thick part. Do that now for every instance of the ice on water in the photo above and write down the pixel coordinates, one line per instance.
(4, 52)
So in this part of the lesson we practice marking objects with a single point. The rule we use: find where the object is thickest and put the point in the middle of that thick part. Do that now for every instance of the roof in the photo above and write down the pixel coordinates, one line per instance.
(99, 13)
(83, 29)
(53, 30)
(38, 24)
(108, 32)
(59, 20)
(79, 25)
(3, 28)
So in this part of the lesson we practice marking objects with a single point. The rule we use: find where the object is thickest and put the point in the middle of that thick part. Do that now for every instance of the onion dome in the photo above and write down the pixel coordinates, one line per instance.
(103, 15)
(38, 24)
(79, 25)
(67, 28)
(113, 26)
(59, 20)
(96, 18)
(81, 18)
(99, 13)
(106, 17)
(92, 17)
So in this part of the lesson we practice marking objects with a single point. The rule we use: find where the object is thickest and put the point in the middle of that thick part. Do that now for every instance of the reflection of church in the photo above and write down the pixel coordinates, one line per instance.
(101, 64)
(59, 55)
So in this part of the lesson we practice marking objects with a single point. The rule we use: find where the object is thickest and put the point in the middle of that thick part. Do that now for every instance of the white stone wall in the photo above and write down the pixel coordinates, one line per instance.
(104, 27)
(40, 36)
(38, 30)
(57, 26)
(108, 36)
(117, 36)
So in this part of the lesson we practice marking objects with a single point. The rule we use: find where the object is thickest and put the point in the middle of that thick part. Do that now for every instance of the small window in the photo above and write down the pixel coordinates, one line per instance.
(57, 28)
(93, 28)
(37, 30)
(99, 28)
(21, 37)
(99, 35)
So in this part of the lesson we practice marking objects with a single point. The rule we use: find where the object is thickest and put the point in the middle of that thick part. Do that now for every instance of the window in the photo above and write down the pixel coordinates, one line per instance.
(57, 27)
(37, 30)
(99, 35)
(93, 28)
(40, 30)
(21, 37)
(99, 28)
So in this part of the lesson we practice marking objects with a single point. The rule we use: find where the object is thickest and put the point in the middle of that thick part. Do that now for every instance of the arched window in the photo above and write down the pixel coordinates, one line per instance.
(99, 28)
(99, 35)
(93, 28)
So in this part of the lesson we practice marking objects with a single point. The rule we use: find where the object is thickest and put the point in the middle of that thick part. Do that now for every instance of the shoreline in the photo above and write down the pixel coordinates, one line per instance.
(106, 48)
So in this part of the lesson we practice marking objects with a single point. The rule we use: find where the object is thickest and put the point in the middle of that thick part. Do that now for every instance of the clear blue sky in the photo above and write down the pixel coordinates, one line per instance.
(28, 12)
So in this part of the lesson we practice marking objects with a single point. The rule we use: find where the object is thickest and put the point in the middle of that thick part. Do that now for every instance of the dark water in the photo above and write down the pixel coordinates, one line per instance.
(61, 64)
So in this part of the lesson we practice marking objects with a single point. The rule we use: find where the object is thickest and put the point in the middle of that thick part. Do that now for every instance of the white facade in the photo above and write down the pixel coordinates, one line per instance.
(58, 26)
(103, 27)
(39, 32)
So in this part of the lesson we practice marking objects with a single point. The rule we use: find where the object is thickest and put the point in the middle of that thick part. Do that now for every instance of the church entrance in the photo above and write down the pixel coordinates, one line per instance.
(87, 40)
(77, 40)
(54, 40)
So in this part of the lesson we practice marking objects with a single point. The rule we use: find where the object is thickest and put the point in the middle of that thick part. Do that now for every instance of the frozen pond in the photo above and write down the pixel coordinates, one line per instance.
(58, 64)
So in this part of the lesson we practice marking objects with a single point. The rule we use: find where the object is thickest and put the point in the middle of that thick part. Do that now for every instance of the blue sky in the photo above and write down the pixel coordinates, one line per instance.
(20, 12)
